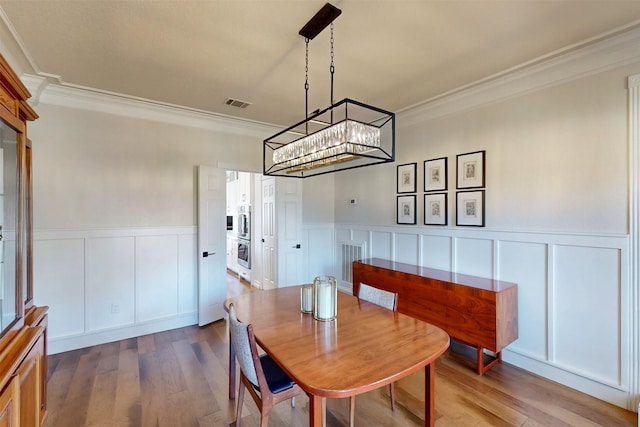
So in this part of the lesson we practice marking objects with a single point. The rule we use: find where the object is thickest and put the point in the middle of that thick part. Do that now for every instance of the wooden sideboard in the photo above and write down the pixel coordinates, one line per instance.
(481, 313)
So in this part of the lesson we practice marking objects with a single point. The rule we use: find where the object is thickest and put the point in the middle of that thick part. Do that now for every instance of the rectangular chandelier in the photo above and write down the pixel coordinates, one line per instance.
(346, 135)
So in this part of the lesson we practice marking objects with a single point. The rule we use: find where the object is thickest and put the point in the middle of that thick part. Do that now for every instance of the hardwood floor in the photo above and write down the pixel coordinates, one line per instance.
(179, 378)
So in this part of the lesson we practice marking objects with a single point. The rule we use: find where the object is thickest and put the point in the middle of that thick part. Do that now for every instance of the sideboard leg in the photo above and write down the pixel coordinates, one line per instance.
(482, 368)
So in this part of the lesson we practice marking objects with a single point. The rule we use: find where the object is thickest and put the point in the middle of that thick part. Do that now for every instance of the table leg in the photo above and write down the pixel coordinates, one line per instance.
(316, 405)
(429, 394)
(232, 370)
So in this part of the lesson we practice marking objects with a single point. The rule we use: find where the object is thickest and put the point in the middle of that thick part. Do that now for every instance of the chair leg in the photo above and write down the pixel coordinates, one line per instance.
(264, 419)
(391, 388)
(324, 412)
(352, 411)
(240, 399)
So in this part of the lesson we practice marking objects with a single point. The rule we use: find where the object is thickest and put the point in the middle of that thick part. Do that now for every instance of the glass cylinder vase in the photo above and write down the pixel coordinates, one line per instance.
(306, 298)
(325, 298)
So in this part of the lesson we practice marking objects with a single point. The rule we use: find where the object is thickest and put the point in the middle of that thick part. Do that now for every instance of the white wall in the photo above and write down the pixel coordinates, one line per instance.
(557, 211)
(106, 170)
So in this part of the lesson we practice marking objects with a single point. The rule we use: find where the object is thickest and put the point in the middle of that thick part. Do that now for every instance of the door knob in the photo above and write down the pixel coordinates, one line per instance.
(296, 246)
(206, 254)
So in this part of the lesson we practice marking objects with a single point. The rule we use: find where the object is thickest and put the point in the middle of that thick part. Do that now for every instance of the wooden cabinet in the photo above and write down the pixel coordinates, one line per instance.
(479, 312)
(23, 353)
(9, 409)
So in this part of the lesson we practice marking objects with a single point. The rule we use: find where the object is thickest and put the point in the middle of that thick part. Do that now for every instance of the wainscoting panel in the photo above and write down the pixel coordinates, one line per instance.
(407, 248)
(110, 282)
(59, 282)
(104, 285)
(187, 274)
(525, 263)
(381, 244)
(573, 295)
(360, 236)
(156, 277)
(587, 293)
(436, 252)
(343, 235)
(473, 256)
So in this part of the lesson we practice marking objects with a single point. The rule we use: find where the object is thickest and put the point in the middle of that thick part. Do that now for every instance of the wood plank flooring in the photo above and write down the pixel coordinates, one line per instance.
(179, 378)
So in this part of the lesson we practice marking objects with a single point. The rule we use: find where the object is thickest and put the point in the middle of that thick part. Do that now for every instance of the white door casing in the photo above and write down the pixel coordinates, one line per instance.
(212, 282)
(268, 233)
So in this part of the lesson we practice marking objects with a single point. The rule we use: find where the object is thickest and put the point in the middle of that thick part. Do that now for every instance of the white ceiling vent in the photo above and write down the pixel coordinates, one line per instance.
(237, 103)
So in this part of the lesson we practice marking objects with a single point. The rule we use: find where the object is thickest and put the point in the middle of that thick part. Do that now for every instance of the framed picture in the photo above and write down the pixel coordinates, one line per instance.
(407, 178)
(470, 208)
(407, 209)
(435, 209)
(435, 174)
(470, 173)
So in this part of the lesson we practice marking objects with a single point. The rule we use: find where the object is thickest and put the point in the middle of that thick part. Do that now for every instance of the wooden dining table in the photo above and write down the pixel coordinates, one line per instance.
(364, 348)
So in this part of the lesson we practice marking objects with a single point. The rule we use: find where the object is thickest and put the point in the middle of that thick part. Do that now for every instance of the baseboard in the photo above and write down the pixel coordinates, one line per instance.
(60, 345)
(613, 395)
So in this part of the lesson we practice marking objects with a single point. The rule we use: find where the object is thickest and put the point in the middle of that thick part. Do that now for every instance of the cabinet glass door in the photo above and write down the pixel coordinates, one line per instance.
(8, 188)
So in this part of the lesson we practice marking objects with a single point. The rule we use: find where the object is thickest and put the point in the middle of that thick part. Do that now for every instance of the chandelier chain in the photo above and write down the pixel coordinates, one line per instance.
(306, 64)
(306, 83)
(332, 70)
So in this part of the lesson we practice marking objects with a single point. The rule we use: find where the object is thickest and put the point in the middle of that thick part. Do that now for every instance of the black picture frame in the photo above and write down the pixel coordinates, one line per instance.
(470, 171)
(470, 208)
(406, 179)
(436, 210)
(435, 174)
(406, 210)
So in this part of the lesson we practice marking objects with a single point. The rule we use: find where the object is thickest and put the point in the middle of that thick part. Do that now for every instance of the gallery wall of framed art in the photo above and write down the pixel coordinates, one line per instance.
(469, 201)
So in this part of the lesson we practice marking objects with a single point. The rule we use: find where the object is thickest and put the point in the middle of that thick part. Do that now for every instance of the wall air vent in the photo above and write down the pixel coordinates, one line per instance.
(237, 103)
(349, 252)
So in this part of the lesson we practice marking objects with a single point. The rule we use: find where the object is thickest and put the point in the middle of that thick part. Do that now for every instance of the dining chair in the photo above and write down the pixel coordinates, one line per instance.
(267, 383)
(384, 299)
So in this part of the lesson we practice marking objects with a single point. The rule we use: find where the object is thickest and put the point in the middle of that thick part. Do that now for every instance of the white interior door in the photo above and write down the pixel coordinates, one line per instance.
(289, 231)
(212, 238)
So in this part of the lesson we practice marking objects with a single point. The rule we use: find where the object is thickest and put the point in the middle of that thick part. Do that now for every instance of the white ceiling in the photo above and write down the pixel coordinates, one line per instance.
(390, 54)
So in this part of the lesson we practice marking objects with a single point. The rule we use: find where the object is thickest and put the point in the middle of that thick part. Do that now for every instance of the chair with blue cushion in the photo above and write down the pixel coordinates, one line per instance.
(267, 383)
(385, 299)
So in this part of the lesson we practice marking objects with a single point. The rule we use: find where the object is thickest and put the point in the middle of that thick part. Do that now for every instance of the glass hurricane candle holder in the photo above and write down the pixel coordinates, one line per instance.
(306, 298)
(325, 298)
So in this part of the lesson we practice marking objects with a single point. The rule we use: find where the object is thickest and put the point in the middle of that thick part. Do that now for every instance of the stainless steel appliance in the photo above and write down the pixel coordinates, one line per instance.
(244, 236)
(244, 253)
(244, 222)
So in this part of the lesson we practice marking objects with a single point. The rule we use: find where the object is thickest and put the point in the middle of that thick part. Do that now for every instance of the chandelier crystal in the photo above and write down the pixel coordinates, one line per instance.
(335, 141)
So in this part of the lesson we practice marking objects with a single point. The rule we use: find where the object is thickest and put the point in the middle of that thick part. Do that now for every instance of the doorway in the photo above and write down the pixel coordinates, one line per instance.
(240, 229)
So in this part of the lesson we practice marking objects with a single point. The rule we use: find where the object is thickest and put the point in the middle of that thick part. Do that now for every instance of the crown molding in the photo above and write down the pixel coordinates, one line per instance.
(556, 68)
(591, 57)
(65, 95)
